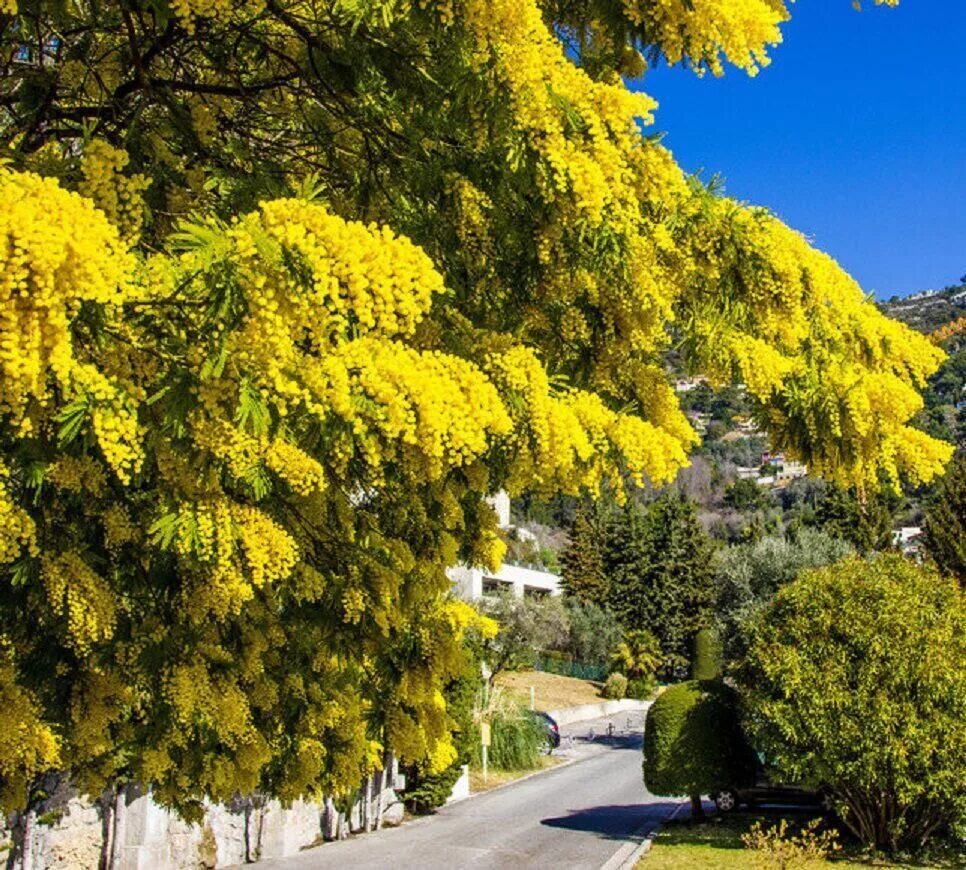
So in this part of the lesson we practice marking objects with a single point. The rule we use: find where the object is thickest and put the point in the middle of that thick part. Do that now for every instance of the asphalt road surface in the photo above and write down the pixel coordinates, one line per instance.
(575, 816)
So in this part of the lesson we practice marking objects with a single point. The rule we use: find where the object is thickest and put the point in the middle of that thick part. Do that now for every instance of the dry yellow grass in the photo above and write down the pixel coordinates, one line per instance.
(551, 691)
(502, 777)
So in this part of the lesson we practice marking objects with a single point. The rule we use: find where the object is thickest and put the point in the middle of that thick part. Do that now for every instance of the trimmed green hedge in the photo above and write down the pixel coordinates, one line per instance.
(693, 742)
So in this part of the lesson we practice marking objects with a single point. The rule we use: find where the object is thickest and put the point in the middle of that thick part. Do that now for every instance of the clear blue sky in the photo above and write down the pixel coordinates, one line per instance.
(855, 135)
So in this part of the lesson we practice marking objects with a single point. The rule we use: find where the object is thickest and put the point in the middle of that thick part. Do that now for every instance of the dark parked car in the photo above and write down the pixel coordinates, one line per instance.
(767, 791)
(553, 731)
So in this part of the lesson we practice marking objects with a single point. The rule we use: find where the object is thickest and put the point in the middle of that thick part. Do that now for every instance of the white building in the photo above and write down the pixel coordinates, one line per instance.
(907, 538)
(471, 583)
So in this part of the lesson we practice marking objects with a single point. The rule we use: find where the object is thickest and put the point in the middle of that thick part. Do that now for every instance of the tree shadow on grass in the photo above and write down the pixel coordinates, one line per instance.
(614, 821)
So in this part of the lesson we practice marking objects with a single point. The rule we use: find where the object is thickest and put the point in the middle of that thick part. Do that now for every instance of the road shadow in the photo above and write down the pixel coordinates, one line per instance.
(618, 741)
(612, 821)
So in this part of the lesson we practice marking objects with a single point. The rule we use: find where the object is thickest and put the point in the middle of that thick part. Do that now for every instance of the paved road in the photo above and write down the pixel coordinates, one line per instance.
(576, 816)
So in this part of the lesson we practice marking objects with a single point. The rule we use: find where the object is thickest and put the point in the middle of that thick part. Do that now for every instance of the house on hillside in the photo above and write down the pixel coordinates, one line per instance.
(472, 583)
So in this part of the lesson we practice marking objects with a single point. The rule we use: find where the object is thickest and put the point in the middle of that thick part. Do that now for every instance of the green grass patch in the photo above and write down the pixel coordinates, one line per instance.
(717, 845)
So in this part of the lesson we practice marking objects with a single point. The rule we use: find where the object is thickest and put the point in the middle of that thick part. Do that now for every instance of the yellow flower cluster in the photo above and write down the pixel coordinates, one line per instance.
(98, 703)
(546, 90)
(18, 534)
(230, 550)
(361, 278)
(463, 617)
(438, 410)
(202, 703)
(119, 528)
(118, 195)
(836, 379)
(574, 441)
(81, 597)
(8, 7)
(242, 452)
(56, 251)
(705, 33)
(701, 31)
(28, 746)
(78, 474)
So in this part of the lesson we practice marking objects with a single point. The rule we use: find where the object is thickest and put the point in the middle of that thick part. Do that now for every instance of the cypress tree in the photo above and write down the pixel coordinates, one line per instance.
(582, 565)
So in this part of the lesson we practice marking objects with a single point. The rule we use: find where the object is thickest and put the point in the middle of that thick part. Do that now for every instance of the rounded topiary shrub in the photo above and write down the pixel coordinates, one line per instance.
(616, 687)
(694, 744)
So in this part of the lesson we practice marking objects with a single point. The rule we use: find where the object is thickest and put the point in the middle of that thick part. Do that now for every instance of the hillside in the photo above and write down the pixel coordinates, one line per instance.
(945, 396)
(929, 310)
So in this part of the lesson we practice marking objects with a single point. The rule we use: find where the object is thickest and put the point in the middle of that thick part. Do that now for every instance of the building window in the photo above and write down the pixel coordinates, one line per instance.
(492, 586)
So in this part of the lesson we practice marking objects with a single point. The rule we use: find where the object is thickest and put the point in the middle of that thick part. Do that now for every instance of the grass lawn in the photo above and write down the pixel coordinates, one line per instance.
(716, 845)
(552, 691)
(501, 777)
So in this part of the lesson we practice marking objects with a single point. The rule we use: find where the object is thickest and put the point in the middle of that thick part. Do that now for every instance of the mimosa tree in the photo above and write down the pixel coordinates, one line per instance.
(288, 286)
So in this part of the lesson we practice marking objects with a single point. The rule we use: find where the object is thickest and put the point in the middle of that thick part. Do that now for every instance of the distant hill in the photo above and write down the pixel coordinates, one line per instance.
(930, 310)
(944, 415)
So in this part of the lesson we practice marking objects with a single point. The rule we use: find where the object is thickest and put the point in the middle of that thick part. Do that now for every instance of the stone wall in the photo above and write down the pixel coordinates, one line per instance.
(127, 830)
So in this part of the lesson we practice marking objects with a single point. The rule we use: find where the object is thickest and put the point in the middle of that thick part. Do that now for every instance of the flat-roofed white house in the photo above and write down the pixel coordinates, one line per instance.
(473, 583)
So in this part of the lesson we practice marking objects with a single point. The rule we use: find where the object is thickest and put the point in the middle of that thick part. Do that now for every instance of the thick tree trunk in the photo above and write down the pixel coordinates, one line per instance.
(697, 811)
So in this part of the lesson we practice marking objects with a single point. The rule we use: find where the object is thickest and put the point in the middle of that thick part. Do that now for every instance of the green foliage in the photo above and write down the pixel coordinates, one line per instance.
(866, 523)
(944, 527)
(747, 576)
(616, 687)
(650, 567)
(594, 633)
(517, 739)
(746, 495)
(527, 626)
(706, 664)
(856, 679)
(583, 570)
(641, 688)
(693, 741)
(638, 655)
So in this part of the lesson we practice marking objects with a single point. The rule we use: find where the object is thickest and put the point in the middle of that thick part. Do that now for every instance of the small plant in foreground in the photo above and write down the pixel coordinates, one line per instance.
(777, 848)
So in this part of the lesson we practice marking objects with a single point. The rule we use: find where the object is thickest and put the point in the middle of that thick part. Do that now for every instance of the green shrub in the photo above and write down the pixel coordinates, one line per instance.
(594, 632)
(517, 740)
(707, 656)
(641, 688)
(856, 679)
(637, 655)
(426, 790)
(693, 742)
(616, 687)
